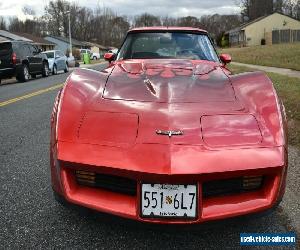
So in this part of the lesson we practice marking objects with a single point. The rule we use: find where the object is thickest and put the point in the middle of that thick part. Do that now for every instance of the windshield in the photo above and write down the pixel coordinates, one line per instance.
(50, 54)
(173, 45)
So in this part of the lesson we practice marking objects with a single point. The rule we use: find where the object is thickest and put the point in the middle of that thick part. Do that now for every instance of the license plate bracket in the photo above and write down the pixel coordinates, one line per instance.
(175, 201)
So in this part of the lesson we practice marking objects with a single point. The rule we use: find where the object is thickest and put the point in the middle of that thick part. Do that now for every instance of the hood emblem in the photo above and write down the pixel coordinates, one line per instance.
(169, 133)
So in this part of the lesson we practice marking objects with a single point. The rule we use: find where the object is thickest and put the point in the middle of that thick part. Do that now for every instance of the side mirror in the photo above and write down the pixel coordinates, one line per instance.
(109, 56)
(225, 58)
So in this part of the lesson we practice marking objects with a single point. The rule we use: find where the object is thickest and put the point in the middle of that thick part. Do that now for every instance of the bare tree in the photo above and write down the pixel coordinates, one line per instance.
(245, 6)
(2, 23)
(102, 25)
(217, 25)
(278, 5)
(56, 17)
(35, 26)
(292, 8)
(189, 21)
(168, 21)
(252, 9)
(146, 19)
(27, 10)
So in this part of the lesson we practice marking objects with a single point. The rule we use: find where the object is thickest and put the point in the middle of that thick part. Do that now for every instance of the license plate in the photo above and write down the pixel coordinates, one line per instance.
(166, 200)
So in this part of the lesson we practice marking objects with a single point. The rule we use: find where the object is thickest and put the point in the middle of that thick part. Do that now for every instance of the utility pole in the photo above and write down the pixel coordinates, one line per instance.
(70, 35)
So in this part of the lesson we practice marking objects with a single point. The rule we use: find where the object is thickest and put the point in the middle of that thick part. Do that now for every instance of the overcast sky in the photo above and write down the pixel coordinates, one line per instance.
(175, 8)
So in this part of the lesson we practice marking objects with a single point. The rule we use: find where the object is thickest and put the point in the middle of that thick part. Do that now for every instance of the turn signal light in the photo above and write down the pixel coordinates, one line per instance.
(14, 58)
(252, 182)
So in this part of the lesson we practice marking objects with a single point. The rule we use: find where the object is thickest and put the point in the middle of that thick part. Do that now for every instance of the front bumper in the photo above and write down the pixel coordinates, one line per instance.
(209, 208)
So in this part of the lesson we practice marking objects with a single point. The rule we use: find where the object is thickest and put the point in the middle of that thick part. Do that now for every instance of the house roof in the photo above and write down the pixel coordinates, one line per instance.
(96, 45)
(2, 39)
(10, 36)
(34, 39)
(254, 21)
(66, 40)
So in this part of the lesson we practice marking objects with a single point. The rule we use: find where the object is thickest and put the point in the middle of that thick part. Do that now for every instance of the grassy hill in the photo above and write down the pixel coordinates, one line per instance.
(279, 55)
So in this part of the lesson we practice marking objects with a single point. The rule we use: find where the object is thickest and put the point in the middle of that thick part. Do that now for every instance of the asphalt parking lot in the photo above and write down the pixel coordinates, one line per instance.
(31, 218)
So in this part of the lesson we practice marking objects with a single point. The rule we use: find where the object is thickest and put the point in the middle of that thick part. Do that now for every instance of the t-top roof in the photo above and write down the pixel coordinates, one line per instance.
(165, 28)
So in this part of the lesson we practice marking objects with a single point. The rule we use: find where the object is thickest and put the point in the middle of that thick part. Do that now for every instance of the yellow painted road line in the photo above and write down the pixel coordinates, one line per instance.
(39, 92)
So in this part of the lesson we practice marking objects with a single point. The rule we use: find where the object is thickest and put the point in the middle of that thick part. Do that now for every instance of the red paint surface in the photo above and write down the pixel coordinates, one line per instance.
(106, 122)
(158, 28)
(228, 130)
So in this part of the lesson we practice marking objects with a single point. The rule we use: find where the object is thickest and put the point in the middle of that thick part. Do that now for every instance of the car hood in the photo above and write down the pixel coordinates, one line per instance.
(170, 81)
(141, 98)
(132, 102)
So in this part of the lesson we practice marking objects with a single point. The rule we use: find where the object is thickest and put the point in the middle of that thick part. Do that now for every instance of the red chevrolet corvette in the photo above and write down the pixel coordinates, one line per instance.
(166, 134)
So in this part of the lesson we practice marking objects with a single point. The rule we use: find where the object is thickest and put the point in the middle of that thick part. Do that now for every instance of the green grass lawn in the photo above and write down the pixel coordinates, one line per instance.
(288, 89)
(280, 55)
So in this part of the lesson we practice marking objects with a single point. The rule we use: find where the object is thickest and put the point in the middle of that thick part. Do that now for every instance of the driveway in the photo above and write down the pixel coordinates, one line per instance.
(281, 71)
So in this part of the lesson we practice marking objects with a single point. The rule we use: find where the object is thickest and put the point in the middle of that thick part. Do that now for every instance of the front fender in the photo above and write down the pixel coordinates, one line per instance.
(258, 94)
(81, 88)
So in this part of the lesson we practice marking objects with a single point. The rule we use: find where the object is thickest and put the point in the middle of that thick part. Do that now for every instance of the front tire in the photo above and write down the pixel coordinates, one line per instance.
(54, 72)
(59, 198)
(66, 68)
(45, 71)
(94, 58)
(23, 76)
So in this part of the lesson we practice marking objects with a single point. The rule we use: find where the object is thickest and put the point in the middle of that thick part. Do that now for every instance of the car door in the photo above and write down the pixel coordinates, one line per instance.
(28, 54)
(61, 60)
(56, 59)
(34, 59)
(38, 58)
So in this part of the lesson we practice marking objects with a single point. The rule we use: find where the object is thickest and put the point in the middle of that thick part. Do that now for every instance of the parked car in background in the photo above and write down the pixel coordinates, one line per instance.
(114, 51)
(57, 61)
(22, 59)
(85, 51)
(71, 61)
(93, 55)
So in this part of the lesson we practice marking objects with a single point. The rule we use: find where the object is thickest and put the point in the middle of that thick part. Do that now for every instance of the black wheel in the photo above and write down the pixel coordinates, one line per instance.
(23, 76)
(45, 70)
(94, 58)
(54, 72)
(66, 68)
(33, 75)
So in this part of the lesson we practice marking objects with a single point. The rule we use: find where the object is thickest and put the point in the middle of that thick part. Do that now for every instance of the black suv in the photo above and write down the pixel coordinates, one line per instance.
(22, 60)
